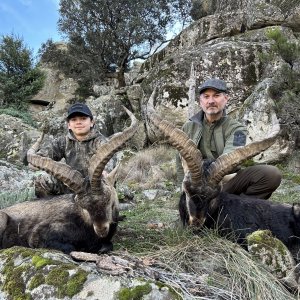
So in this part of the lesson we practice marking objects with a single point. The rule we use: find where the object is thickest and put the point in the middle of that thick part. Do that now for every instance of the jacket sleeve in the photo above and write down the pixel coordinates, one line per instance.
(55, 150)
(236, 138)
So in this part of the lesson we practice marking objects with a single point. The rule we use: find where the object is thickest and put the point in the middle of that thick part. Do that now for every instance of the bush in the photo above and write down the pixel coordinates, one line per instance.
(20, 78)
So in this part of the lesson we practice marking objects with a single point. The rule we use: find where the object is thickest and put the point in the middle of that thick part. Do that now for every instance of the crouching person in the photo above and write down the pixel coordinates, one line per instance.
(76, 148)
(215, 133)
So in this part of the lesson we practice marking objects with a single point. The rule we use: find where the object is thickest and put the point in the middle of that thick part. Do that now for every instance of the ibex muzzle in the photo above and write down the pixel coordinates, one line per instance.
(85, 221)
(202, 202)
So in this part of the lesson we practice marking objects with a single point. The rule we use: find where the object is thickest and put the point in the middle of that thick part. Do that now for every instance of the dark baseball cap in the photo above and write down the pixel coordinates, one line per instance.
(79, 109)
(215, 84)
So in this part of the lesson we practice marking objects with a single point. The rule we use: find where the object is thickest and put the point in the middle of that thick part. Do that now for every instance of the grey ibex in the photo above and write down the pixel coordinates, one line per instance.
(83, 221)
(203, 204)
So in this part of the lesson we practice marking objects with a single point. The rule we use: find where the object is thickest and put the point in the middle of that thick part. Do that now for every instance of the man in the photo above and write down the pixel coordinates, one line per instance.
(216, 133)
(76, 148)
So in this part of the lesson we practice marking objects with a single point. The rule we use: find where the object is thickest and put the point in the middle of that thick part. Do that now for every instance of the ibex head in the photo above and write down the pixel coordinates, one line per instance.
(201, 184)
(96, 194)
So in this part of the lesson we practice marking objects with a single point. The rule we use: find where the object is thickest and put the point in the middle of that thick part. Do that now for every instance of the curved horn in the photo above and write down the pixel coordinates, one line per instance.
(179, 140)
(106, 151)
(226, 163)
(71, 178)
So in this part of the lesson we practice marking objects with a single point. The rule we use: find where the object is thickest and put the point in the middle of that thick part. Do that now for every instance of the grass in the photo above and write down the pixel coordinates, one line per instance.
(202, 266)
(23, 115)
(10, 198)
(198, 266)
(288, 191)
(151, 168)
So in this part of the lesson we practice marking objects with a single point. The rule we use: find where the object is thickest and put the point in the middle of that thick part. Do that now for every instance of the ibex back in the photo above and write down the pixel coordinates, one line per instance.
(83, 221)
(203, 204)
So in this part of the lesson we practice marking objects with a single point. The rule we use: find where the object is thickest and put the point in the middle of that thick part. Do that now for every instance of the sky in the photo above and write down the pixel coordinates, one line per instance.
(33, 20)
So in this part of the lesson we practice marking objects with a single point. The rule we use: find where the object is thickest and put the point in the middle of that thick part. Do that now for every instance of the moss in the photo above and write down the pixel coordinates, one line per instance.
(295, 178)
(75, 283)
(39, 261)
(14, 284)
(67, 285)
(174, 295)
(58, 276)
(270, 251)
(135, 293)
(248, 163)
(36, 281)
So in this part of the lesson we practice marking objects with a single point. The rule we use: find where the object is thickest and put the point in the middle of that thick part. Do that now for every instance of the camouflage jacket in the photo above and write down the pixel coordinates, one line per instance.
(225, 135)
(76, 153)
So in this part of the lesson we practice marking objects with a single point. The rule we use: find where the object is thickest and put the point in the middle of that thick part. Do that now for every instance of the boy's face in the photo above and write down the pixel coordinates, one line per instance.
(80, 126)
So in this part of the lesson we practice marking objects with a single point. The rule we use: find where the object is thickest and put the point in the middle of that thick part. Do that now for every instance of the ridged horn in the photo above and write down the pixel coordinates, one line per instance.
(106, 151)
(226, 163)
(71, 178)
(179, 140)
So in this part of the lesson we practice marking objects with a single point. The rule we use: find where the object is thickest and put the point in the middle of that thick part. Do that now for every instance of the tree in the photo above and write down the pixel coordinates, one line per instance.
(108, 34)
(19, 77)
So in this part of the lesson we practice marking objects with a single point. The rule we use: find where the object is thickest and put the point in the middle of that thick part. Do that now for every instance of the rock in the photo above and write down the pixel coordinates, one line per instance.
(15, 139)
(259, 115)
(44, 274)
(150, 194)
(271, 252)
(16, 184)
(58, 89)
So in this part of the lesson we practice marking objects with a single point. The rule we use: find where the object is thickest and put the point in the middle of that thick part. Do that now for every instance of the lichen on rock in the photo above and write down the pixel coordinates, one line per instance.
(271, 252)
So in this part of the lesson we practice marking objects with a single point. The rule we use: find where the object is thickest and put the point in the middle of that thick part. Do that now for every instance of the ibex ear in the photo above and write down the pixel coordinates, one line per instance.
(111, 177)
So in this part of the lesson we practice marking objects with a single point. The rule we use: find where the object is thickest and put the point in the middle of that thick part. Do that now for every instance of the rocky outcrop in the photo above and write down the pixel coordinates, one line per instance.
(228, 43)
(41, 274)
(58, 90)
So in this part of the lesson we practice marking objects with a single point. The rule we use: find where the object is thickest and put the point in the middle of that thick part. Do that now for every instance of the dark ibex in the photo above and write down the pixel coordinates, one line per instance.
(85, 221)
(203, 204)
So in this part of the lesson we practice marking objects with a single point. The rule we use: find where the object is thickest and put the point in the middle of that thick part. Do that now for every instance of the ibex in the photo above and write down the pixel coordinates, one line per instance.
(83, 221)
(203, 204)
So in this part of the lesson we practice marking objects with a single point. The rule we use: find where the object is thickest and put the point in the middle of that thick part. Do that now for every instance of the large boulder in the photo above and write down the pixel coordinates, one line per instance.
(43, 274)
(15, 138)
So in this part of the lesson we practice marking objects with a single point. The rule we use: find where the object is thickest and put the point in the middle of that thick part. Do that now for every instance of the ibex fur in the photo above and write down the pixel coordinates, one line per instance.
(203, 204)
(83, 221)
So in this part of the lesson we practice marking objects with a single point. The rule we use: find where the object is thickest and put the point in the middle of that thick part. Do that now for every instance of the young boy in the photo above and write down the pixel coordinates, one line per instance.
(76, 148)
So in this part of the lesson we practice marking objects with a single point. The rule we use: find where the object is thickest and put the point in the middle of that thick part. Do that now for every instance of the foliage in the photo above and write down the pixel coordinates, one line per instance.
(19, 77)
(107, 35)
(23, 115)
(286, 85)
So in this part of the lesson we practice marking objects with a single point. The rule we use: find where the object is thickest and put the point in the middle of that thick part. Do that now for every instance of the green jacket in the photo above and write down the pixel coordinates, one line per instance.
(76, 153)
(223, 136)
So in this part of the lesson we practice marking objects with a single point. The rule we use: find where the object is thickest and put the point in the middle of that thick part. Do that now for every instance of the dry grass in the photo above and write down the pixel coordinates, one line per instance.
(151, 168)
(196, 266)
(203, 266)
